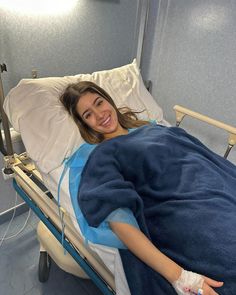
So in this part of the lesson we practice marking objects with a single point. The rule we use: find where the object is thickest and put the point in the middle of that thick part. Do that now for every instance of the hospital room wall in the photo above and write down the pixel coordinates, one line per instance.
(92, 36)
(95, 35)
(190, 57)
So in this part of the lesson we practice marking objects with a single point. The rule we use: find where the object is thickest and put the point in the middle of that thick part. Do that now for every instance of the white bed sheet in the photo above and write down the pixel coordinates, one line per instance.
(110, 256)
(50, 135)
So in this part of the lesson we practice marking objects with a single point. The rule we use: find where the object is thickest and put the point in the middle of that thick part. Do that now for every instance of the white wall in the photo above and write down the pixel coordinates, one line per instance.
(190, 57)
(95, 35)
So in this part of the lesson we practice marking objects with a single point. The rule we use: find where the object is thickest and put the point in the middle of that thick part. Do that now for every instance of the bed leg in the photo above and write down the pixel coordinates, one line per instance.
(228, 151)
(44, 266)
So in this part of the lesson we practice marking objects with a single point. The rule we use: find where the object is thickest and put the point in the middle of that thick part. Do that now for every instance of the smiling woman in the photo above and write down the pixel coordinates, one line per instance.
(43, 7)
(99, 115)
(96, 114)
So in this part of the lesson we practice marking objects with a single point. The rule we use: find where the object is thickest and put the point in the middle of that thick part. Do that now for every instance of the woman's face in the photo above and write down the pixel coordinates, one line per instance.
(99, 114)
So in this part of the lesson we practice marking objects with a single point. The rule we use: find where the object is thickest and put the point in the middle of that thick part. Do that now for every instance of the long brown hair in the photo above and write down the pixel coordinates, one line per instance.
(126, 117)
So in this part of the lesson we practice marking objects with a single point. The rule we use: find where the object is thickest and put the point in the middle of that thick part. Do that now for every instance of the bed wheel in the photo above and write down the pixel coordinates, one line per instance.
(44, 266)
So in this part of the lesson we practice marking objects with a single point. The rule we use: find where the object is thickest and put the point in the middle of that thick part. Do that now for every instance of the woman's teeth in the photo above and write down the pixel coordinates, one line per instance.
(106, 121)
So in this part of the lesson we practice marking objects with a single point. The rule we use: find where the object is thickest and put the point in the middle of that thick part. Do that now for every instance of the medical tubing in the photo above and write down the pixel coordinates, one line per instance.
(4, 238)
(9, 224)
(23, 227)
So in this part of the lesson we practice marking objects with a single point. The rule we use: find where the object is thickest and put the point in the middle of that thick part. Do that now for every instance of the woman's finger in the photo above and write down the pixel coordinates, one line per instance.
(207, 290)
(212, 282)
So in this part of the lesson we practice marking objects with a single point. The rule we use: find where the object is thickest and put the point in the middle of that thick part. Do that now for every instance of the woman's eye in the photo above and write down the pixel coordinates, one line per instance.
(99, 102)
(87, 116)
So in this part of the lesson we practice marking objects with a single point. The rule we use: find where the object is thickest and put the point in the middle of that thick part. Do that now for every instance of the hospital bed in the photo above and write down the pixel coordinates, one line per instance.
(50, 136)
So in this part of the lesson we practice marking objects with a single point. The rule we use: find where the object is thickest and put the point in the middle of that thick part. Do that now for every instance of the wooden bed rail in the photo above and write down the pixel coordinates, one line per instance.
(181, 112)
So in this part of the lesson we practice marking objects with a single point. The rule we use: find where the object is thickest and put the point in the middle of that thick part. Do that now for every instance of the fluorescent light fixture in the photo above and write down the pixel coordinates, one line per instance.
(209, 17)
(38, 7)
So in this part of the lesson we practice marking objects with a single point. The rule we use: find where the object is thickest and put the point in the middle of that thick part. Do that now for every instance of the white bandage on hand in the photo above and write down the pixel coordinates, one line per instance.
(188, 283)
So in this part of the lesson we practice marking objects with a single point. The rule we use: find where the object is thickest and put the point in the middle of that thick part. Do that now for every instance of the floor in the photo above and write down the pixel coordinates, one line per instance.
(19, 265)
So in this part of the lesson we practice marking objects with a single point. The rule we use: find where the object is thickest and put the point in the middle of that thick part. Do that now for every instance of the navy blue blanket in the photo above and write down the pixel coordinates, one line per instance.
(182, 194)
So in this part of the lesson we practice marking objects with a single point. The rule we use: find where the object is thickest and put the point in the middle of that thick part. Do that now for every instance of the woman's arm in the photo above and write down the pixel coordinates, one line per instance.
(143, 248)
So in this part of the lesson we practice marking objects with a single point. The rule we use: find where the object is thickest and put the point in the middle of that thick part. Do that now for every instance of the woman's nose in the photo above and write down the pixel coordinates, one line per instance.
(98, 114)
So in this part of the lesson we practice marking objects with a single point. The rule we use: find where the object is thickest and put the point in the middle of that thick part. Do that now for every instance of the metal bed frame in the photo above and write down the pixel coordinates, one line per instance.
(27, 181)
(28, 184)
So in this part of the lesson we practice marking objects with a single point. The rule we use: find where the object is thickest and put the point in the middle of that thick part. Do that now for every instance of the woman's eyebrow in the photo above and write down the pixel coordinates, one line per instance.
(94, 102)
(96, 99)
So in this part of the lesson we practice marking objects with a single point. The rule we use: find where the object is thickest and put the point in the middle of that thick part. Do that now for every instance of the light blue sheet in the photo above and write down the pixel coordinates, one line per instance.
(102, 234)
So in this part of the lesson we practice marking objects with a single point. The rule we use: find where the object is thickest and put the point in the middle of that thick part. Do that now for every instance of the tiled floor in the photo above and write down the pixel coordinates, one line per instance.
(19, 266)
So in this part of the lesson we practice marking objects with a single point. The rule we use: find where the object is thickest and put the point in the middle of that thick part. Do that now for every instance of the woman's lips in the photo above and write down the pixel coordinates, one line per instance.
(106, 122)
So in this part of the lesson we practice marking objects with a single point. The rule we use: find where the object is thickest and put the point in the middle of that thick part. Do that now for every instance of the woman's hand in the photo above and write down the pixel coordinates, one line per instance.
(208, 283)
(191, 283)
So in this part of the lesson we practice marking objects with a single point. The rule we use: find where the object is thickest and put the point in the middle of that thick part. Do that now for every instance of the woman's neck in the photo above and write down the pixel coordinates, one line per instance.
(118, 132)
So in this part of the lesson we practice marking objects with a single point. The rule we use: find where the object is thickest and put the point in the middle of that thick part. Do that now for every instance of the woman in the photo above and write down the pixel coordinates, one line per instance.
(100, 121)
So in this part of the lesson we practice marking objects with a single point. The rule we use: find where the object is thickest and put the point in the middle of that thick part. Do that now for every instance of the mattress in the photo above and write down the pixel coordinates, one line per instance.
(110, 256)
(50, 135)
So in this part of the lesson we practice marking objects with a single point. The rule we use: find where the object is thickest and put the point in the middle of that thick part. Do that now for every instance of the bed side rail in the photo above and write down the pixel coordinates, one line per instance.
(181, 112)
(47, 209)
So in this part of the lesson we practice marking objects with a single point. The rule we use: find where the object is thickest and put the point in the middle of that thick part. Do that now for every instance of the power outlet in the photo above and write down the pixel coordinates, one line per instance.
(34, 73)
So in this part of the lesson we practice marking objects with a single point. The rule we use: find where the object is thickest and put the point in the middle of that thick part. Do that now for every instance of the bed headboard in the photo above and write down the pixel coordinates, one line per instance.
(47, 130)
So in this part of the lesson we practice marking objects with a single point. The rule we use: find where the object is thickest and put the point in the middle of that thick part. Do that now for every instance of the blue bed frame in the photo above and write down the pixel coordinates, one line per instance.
(105, 289)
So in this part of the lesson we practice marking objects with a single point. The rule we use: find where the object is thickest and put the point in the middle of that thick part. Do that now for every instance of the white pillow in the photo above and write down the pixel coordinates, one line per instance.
(47, 130)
